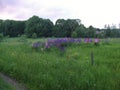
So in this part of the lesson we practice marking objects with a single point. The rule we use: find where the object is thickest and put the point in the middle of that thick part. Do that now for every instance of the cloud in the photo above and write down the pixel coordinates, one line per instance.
(9, 8)
(23, 9)
(91, 12)
(1, 5)
(7, 3)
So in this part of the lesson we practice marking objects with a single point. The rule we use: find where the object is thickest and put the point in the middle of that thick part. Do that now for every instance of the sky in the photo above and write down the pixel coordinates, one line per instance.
(91, 12)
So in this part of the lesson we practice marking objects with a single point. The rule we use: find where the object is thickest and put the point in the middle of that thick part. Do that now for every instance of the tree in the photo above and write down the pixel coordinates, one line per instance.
(42, 27)
(12, 28)
(58, 30)
(70, 26)
(64, 28)
(47, 28)
(81, 31)
(18, 28)
(108, 32)
(91, 31)
(32, 26)
(1, 28)
(74, 34)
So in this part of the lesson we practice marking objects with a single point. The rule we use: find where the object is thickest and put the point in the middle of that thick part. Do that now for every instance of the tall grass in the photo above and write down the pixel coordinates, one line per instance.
(71, 70)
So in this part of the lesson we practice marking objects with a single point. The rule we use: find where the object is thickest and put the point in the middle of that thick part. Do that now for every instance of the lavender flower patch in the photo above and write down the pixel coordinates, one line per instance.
(87, 40)
(78, 40)
(37, 45)
(60, 43)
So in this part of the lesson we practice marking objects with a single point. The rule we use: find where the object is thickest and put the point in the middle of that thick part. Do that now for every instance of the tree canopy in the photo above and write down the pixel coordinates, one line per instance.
(42, 27)
(39, 27)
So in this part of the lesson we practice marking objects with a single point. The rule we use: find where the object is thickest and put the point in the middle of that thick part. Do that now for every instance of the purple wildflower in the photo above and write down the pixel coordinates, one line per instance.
(37, 44)
(96, 41)
(47, 45)
(71, 40)
(78, 40)
(87, 40)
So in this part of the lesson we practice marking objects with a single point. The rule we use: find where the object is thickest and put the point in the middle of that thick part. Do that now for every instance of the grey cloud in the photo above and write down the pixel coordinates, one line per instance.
(22, 10)
(10, 2)
(6, 4)
(1, 5)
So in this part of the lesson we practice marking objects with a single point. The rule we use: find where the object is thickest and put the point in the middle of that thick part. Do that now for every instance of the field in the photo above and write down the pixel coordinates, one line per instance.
(68, 70)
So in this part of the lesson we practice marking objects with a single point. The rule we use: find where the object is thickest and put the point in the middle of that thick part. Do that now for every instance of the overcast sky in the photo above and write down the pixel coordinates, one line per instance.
(91, 12)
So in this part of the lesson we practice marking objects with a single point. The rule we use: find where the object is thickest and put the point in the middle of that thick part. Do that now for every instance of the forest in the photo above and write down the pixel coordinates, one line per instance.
(36, 27)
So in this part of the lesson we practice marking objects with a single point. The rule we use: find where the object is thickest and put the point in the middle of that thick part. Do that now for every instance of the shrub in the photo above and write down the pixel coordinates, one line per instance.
(74, 34)
(34, 35)
(23, 38)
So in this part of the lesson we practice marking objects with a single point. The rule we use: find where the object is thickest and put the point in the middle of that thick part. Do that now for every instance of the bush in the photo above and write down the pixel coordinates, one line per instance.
(34, 35)
(23, 38)
(74, 34)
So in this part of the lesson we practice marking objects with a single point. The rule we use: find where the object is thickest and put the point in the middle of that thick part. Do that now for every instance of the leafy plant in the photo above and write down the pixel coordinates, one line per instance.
(23, 38)
(34, 35)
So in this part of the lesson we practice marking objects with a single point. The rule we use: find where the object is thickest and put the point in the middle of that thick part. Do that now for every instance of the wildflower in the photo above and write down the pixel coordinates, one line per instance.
(96, 41)
(87, 40)
(71, 40)
(78, 40)
(37, 44)
(47, 45)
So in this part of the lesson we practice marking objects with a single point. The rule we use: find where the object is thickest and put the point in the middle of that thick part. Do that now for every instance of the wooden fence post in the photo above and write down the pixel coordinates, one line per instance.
(92, 58)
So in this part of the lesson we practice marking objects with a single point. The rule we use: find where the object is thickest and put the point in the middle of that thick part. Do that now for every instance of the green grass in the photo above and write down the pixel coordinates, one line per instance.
(4, 85)
(71, 70)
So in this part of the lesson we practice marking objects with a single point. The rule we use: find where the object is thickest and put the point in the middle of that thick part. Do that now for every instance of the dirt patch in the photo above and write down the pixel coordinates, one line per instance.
(12, 82)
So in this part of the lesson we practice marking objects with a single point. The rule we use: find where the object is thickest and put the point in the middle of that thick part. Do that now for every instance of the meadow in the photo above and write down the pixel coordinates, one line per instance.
(55, 70)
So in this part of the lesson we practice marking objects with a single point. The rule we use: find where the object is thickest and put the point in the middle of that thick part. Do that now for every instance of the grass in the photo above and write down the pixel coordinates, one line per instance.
(71, 70)
(4, 85)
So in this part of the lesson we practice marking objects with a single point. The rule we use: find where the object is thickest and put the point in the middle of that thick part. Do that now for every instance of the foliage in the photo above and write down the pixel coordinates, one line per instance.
(34, 35)
(90, 32)
(62, 28)
(81, 31)
(74, 34)
(42, 27)
(23, 38)
(12, 28)
(1, 37)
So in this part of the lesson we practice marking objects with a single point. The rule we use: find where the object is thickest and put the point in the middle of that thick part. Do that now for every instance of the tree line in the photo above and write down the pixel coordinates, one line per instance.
(39, 27)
